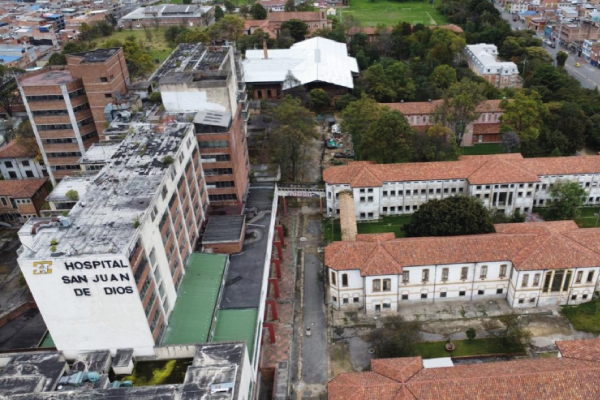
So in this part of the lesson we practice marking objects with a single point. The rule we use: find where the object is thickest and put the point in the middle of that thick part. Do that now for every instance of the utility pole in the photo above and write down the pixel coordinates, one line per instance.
(524, 62)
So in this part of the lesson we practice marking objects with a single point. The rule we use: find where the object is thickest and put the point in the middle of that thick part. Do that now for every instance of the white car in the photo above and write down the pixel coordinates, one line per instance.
(335, 128)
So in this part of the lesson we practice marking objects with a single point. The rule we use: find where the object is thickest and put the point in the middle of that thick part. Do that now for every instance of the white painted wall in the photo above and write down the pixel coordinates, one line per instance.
(20, 169)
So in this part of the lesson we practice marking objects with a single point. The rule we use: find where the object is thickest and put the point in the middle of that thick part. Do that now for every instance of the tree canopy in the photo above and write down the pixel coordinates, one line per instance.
(258, 11)
(387, 139)
(357, 118)
(456, 215)
(567, 198)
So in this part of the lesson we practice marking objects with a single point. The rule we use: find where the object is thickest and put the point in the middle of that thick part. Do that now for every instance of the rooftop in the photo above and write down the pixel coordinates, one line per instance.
(529, 246)
(486, 56)
(96, 56)
(167, 11)
(100, 153)
(478, 170)
(429, 107)
(316, 59)
(79, 184)
(47, 77)
(192, 317)
(237, 325)
(224, 228)
(14, 149)
(103, 221)
(192, 57)
(22, 188)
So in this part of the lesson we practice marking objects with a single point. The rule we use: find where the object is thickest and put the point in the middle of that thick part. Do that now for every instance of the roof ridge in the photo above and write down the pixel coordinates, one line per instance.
(576, 243)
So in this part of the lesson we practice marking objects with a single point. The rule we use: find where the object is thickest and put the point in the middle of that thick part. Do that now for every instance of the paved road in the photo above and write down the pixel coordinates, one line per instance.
(587, 75)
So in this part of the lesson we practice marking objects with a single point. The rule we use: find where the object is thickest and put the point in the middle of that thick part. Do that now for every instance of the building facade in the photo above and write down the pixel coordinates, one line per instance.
(107, 276)
(483, 60)
(17, 161)
(485, 129)
(188, 15)
(506, 183)
(528, 264)
(21, 200)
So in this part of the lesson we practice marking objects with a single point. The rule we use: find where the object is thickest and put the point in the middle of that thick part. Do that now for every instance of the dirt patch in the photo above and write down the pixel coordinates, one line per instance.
(547, 325)
(339, 359)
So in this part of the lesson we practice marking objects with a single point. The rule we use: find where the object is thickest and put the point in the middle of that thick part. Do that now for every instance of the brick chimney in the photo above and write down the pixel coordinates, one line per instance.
(265, 51)
(347, 217)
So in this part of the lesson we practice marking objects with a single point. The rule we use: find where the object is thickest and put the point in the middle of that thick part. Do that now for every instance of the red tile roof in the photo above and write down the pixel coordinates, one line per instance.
(404, 378)
(428, 107)
(587, 349)
(299, 15)
(16, 150)
(479, 170)
(529, 246)
(486, 129)
(21, 189)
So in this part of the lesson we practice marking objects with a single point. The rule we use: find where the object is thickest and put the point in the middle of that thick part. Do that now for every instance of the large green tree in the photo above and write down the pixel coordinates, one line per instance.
(57, 59)
(396, 338)
(567, 198)
(456, 215)
(258, 11)
(319, 100)
(524, 115)
(389, 83)
(387, 139)
(294, 128)
(436, 144)
(298, 29)
(357, 118)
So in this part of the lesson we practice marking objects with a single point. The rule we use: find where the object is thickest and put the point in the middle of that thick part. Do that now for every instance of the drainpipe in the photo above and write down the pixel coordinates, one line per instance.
(434, 279)
(473, 283)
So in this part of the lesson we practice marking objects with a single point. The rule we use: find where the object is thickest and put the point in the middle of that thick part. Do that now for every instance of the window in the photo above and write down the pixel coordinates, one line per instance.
(462, 293)
(579, 277)
(370, 199)
(590, 277)
(385, 193)
(345, 280)
(345, 300)
(8, 164)
(536, 279)
(356, 299)
(103, 79)
(369, 190)
(334, 298)
(218, 171)
(387, 285)
(387, 306)
(502, 271)
(521, 301)
(404, 297)
(483, 272)
(25, 163)
(445, 274)
(107, 95)
(423, 295)
(215, 157)
(574, 297)
(222, 197)
(584, 297)
(481, 291)
(376, 285)
(362, 199)
(464, 271)
(425, 275)
(405, 275)
(443, 294)
(333, 281)
(213, 144)
(532, 300)
(499, 291)
(4, 203)
(525, 280)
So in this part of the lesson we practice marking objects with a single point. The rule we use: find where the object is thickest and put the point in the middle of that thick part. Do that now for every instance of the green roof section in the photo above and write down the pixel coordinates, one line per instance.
(47, 341)
(191, 319)
(237, 326)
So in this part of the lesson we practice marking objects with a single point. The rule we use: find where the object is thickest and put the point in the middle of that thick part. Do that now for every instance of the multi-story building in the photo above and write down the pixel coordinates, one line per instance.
(189, 15)
(105, 78)
(506, 182)
(66, 105)
(575, 33)
(315, 20)
(528, 264)
(21, 200)
(485, 129)
(18, 161)
(207, 84)
(107, 276)
(483, 60)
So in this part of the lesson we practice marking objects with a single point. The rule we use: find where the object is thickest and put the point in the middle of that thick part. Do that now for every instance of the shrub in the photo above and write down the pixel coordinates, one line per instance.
(72, 195)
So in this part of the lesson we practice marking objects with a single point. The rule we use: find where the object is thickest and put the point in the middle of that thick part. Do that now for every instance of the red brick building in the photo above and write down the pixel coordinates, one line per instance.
(21, 199)
(272, 25)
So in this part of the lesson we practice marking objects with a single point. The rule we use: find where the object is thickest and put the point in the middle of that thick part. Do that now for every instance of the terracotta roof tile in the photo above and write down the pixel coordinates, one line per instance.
(16, 150)
(21, 189)
(486, 129)
(362, 386)
(376, 237)
(587, 349)
(398, 369)
(300, 15)
(380, 262)
(428, 107)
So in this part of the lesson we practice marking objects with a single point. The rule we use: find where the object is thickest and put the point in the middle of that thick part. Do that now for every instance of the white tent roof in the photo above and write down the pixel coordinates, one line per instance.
(316, 59)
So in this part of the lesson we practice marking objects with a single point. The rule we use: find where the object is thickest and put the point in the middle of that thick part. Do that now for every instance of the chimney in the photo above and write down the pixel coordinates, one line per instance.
(265, 51)
(347, 217)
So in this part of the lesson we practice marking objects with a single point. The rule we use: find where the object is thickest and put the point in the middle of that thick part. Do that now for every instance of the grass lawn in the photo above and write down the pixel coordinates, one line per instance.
(332, 232)
(388, 12)
(158, 47)
(482, 149)
(584, 317)
(467, 348)
(586, 218)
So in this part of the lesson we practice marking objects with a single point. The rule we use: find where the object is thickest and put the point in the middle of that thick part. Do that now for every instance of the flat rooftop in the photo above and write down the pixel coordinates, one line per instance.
(68, 183)
(103, 221)
(191, 319)
(237, 326)
(47, 77)
(96, 56)
(224, 228)
(100, 153)
(192, 57)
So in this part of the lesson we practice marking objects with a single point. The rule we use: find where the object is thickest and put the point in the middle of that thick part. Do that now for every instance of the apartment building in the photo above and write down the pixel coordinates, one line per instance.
(107, 276)
(207, 85)
(21, 200)
(18, 161)
(485, 129)
(528, 264)
(483, 60)
(66, 105)
(504, 182)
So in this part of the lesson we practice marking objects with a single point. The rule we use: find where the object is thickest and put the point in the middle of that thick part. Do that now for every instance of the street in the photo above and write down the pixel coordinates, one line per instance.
(586, 74)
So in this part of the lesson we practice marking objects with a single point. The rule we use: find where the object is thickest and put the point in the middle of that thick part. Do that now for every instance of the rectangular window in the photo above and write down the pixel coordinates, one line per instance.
(345, 300)
(333, 282)
(499, 291)
(356, 299)
(107, 95)
(387, 285)
(579, 277)
(405, 276)
(377, 285)
(425, 275)
(404, 297)
(502, 271)
(103, 79)
(481, 291)
(464, 271)
(483, 272)
(590, 277)
(423, 295)
(445, 274)
(462, 293)
(345, 280)
(443, 294)
(525, 280)
(536, 279)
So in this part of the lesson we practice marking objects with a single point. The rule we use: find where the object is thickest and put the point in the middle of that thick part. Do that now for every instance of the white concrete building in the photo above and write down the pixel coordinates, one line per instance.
(528, 264)
(505, 182)
(106, 276)
(19, 162)
(483, 60)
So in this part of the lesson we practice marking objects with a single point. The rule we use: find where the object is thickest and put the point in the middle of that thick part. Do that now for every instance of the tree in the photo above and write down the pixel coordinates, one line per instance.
(219, 13)
(230, 27)
(396, 338)
(26, 138)
(155, 97)
(459, 107)
(561, 59)
(229, 6)
(387, 139)
(138, 60)
(244, 10)
(343, 102)
(297, 29)
(72, 195)
(436, 144)
(510, 141)
(443, 77)
(389, 83)
(293, 87)
(290, 5)
(148, 34)
(57, 59)
(514, 334)
(471, 333)
(258, 11)
(9, 93)
(567, 197)
(456, 215)
(196, 35)
(357, 119)
(524, 115)
(320, 100)
(294, 128)
(85, 32)
(566, 125)
(171, 33)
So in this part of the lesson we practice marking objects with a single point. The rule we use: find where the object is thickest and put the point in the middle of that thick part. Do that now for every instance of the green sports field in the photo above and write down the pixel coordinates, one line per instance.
(388, 12)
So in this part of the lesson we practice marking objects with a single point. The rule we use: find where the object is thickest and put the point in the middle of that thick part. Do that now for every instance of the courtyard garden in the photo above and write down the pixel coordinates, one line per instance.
(584, 317)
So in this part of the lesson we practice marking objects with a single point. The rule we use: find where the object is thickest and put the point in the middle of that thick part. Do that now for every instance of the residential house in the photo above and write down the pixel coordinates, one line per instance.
(483, 60)
(18, 161)
(21, 199)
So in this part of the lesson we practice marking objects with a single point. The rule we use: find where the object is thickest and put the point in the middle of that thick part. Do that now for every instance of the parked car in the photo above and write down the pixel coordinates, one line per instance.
(344, 154)
(336, 129)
